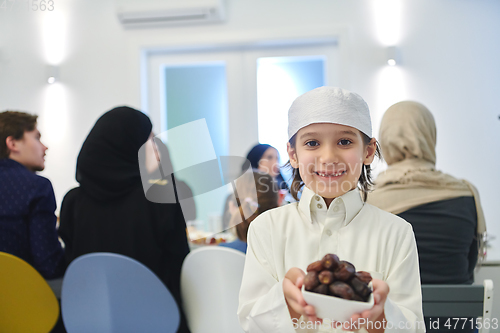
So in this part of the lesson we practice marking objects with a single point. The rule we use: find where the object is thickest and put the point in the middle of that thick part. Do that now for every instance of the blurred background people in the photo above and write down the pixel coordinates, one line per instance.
(445, 212)
(109, 212)
(157, 169)
(255, 197)
(27, 202)
(263, 158)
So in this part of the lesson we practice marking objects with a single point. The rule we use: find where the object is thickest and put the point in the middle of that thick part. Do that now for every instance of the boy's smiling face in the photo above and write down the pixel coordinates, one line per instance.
(330, 158)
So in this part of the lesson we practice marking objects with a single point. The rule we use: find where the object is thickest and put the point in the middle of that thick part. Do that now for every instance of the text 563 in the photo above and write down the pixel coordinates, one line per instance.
(27, 5)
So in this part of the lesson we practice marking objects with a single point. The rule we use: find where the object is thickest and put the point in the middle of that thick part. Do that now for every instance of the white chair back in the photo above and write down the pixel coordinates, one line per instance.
(210, 285)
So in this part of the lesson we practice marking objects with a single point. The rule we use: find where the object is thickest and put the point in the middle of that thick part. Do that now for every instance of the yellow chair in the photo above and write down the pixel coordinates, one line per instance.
(27, 304)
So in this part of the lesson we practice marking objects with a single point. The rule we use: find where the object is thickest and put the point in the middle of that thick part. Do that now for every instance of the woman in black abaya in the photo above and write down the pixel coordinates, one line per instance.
(109, 212)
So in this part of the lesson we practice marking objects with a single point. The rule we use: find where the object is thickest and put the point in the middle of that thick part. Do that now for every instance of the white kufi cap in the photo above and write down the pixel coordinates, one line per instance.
(329, 105)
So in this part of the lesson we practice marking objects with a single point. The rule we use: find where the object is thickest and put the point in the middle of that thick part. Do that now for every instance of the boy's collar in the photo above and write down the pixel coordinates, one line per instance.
(351, 201)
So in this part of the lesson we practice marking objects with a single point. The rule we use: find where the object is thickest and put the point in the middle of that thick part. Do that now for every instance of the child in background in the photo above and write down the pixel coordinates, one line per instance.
(266, 198)
(330, 149)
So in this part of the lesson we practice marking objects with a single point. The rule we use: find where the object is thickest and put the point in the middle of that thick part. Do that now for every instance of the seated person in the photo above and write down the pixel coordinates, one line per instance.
(109, 211)
(167, 189)
(445, 212)
(27, 202)
(266, 198)
(264, 158)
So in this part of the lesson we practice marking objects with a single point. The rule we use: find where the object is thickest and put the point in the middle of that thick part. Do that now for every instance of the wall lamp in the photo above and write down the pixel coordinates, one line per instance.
(52, 74)
(393, 56)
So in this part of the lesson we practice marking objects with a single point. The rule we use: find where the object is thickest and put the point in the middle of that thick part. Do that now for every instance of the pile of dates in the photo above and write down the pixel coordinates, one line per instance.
(331, 276)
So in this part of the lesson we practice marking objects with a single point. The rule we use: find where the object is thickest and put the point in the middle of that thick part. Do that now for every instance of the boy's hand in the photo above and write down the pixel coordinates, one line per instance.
(292, 284)
(376, 313)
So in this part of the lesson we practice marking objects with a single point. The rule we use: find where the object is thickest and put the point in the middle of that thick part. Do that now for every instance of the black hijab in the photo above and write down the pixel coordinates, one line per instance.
(107, 167)
(254, 156)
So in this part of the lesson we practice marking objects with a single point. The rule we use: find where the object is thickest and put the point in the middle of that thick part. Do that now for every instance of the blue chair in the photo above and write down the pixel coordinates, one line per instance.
(210, 286)
(112, 293)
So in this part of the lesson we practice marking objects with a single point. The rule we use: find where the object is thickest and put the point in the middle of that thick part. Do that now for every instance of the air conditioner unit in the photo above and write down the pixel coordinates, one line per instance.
(158, 13)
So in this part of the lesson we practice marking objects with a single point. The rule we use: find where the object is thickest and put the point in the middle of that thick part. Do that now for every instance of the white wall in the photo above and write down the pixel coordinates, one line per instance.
(449, 54)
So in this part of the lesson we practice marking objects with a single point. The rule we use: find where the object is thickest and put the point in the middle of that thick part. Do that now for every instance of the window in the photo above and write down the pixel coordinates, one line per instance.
(242, 91)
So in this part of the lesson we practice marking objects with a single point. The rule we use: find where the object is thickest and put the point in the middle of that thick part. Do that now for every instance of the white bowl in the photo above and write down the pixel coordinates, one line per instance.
(335, 308)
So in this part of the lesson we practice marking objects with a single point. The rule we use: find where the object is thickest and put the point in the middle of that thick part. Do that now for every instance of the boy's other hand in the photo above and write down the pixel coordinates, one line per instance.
(376, 313)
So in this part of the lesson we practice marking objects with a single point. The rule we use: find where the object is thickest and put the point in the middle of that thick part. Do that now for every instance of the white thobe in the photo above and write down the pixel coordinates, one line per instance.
(300, 233)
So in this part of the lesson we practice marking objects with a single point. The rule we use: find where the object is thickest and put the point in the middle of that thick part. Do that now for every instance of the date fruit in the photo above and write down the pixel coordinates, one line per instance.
(334, 277)
(360, 287)
(342, 290)
(326, 277)
(330, 262)
(345, 271)
(358, 298)
(311, 280)
(364, 276)
(316, 266)
(322, 289)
